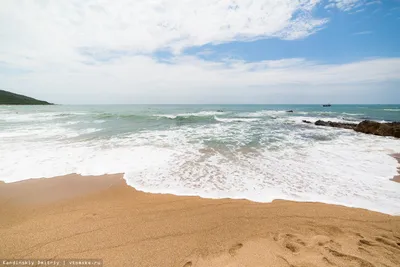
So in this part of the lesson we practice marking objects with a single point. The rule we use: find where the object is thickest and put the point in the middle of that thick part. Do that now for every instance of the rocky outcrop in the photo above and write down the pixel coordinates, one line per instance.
(305, 121)
(336, 124)
(377, 128)
(368, 127)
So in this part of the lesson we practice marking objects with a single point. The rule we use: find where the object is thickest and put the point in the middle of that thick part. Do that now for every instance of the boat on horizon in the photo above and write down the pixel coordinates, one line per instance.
(326, 105)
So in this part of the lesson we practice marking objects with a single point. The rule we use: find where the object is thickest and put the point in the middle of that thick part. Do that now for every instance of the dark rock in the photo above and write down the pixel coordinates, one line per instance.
(368, 127)
(289, 111)
(322, 123)
(305, 121)
(377, 128)
(336, 124)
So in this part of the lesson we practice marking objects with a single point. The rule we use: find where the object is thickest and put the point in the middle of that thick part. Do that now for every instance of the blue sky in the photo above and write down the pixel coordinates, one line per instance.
(368, 31)
(211, 51)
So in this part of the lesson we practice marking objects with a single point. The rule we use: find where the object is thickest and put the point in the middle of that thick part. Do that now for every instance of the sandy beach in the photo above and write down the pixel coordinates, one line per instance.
(103, 218)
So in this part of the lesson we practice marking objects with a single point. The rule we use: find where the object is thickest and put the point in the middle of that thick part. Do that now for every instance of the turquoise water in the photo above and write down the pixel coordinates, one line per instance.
(258, 152)
(117, 119)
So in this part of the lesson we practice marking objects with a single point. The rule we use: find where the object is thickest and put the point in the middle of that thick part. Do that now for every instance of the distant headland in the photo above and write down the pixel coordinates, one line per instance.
(8, 98)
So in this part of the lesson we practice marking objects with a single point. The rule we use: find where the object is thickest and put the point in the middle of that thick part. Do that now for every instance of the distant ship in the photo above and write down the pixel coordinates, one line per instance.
(327, 105)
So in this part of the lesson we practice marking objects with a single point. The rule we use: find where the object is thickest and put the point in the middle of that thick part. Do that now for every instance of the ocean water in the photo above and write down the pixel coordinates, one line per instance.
(256, 152)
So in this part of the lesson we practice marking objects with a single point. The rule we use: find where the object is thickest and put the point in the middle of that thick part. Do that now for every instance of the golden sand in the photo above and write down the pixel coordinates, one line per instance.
(101, 217)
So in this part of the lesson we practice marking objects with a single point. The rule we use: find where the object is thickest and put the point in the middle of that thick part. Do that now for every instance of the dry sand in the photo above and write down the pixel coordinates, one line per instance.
(102, 217)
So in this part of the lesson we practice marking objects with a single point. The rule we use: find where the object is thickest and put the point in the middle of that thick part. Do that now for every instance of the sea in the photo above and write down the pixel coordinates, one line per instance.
(254, 152)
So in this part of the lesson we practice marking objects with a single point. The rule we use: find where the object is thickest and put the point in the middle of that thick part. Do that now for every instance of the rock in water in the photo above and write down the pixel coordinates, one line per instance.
(322, 123)
(305, 121)
(377, 128)
(368, 127)
(289, 111)
(336, 124)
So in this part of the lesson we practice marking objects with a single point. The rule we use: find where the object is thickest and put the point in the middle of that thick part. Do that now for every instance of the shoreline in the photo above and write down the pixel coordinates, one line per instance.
(102, 217)
(89, 179)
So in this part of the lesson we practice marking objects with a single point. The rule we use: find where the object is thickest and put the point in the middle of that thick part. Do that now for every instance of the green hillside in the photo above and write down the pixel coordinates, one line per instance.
(8, 98)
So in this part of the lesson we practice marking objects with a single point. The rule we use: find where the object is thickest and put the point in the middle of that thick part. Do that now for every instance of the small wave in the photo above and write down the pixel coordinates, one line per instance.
(392, 109)
(70, 123)
(264, 113)
(182, 119)
(63, 115)
(188, 119)
(66, 114)
(194, 114)
(28, 117)
(166, 116)
(324, 113)
(89, 130)
(104, 115)
(352, 114)
(236, 119)
(194, 119)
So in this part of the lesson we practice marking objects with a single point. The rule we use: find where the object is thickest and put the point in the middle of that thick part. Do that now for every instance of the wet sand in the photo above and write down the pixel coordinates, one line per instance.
(101, 217)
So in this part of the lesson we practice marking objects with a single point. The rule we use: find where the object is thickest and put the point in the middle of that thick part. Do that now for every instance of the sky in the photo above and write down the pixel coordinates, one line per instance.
(208, 51)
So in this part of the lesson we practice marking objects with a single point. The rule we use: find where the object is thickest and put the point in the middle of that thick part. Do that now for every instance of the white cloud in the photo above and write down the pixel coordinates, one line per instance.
(373, 3)
(363, 33)
(100, 51)
(348, 5)
(142, 79)
(146, 26)
(345, 5)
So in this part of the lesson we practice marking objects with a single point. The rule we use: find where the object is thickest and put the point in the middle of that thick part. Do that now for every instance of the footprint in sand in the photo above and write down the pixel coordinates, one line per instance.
(188, 264)
(387, 242)
(290, 242)
(359, 235)
(366, 242)
(349, 258)
(233, 250)
(292, 247)
(320, 240)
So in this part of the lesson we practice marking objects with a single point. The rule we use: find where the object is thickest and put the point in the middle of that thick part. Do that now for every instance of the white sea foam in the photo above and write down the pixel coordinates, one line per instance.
(286, 161)
(169, 116)
(351, 171)
(264, 113)
(392, 109)
(25, 117)
(235, 119)
(299, 119)
(194, 114)
(18, 116)
(352, 114)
